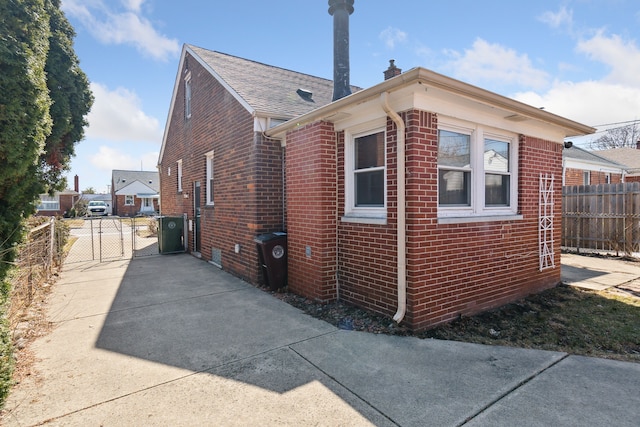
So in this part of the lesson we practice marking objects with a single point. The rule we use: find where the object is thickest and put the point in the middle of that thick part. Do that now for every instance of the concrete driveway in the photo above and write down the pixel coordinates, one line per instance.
(172, 340)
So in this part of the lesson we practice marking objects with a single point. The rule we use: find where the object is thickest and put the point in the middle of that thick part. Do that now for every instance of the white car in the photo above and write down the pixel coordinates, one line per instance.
(97, 207)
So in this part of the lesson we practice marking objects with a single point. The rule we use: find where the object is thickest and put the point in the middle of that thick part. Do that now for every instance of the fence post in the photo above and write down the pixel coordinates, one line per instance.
(52, 238)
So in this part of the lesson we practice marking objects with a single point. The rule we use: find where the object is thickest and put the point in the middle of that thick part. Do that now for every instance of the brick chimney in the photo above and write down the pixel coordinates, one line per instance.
(76, 184)
(392, 71)
(340, 10)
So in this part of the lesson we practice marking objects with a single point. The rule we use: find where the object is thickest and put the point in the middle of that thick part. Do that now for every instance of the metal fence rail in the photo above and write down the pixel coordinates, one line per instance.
(603, 217)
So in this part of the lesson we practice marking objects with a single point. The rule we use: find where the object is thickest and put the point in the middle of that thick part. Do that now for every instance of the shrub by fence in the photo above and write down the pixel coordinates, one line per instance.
(38, 258)
(603, 217)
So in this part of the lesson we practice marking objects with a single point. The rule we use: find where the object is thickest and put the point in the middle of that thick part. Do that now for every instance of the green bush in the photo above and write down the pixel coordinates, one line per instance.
(6, 350)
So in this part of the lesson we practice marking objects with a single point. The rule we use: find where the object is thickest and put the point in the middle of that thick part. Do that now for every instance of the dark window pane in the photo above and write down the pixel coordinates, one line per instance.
(453, 149)
(454, 188)
(370, 189)
(497, 190)
(370, 151)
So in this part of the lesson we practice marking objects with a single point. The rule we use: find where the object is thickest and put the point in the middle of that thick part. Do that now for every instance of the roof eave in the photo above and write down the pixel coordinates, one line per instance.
(430, 78)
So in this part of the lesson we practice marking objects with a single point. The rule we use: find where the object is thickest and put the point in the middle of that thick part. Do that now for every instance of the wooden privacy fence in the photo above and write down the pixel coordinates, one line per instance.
(603, 217)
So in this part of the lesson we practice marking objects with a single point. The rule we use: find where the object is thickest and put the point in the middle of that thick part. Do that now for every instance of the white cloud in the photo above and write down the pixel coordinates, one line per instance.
(614, 98)
(117, 116)
(134, 5)
(590, 102)
(486, 62)
(561, 18)
(623, 57)
(108, 159)
(391, 36)
(129, 27)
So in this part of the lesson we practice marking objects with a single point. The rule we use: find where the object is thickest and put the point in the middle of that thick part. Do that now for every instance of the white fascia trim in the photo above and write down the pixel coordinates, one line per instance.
(186, 49)
(590, 166)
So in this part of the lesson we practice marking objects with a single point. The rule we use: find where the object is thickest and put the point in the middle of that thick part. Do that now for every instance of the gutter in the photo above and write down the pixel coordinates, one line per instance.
(402, 211)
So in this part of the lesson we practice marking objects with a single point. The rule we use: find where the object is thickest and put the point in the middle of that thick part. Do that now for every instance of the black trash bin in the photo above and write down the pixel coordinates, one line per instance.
(272, 251)
(170, 234)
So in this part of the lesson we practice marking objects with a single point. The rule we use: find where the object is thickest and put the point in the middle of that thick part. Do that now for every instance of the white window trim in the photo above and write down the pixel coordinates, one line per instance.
(478, 134)
(179, 167)
(210, 170)
(353, 213)
(49, 203)
(133, 200)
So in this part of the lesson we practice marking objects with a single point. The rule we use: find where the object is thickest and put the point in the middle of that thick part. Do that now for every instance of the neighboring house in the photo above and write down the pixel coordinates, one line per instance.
(629, 157)
(582, 167)
(135, 192)
(57, 205)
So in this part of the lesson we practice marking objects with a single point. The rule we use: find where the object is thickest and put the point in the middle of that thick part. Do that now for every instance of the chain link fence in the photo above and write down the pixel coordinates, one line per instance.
(38, 258)
(112, 238)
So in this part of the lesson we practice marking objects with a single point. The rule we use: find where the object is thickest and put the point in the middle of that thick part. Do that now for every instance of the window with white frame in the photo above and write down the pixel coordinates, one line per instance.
(365, 174)
(187, 96)
(477, 171)
(129, 200)
(209, 160)
(179, 175)
(49, 203)
(586, 178)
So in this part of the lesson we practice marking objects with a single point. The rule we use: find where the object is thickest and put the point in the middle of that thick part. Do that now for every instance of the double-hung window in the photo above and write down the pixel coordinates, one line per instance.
(365, 175)
(129, 200)
(209, 165)
(477, 172)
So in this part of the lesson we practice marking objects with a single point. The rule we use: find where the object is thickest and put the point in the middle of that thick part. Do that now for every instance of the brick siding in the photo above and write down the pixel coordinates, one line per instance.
(452, 269)
(248, 173)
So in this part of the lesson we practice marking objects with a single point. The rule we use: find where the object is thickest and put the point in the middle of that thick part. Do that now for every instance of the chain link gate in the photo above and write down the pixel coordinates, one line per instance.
(111, 238)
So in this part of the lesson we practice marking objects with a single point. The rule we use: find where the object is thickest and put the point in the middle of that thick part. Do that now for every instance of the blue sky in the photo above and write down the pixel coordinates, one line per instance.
(576, 58)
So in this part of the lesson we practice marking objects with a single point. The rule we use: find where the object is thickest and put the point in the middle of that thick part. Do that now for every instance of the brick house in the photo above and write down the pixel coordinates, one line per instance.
(582, 167)
(450, 228)
(135, 192)
(57, 205)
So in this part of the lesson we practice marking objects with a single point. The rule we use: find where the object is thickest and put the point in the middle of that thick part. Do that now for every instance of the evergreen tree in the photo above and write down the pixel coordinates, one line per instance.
(44, 98)
(72, 99)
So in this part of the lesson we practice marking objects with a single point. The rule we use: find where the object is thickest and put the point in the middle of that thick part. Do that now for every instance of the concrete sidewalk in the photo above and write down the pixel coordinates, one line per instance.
(172, 340)
(600, 273)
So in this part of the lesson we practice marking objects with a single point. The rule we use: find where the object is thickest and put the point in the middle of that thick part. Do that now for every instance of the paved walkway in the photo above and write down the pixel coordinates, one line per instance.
(172, 340)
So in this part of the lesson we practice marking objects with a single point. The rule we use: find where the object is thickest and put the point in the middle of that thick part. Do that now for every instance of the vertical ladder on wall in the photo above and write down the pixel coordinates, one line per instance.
(545, 229)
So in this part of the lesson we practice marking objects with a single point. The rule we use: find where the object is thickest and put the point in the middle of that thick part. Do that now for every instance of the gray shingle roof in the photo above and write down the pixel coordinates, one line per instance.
(122, 178)
(590, 156)
(629, 157)
(267, 89)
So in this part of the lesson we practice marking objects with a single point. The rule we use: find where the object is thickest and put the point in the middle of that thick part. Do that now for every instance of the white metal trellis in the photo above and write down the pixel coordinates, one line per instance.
(545, 229)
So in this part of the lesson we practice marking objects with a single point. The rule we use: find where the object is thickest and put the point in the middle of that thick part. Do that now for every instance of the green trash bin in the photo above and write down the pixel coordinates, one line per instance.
(170, 234)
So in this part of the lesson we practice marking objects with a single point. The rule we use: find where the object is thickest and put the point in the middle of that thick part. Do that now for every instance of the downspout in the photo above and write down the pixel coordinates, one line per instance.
(401, 232)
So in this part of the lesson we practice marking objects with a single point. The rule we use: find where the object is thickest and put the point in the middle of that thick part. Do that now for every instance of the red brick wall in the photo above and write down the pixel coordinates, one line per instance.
(120, 209)
(367, 264)
(452, 269)
(248, 173)
(576, 177)
(311, 211)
